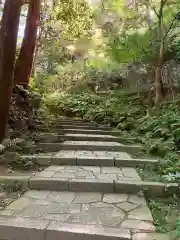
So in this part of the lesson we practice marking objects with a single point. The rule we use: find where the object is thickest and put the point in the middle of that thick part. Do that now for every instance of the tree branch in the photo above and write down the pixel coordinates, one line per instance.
(170, 27)
(155, 11)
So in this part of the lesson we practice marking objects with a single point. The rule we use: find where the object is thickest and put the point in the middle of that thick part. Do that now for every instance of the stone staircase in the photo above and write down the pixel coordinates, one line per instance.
(89, 190)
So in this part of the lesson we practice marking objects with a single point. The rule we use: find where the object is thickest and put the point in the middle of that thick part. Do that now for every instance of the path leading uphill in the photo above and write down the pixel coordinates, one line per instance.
(89, 191)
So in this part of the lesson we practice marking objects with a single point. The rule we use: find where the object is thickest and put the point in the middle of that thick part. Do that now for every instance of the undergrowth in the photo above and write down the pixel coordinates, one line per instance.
(166, 214)
(10, 192)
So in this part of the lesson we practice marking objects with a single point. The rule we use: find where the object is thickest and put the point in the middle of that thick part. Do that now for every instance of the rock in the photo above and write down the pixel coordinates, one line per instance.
(10, 170)
(6, 142)
(14, 148)
(2, 148)
(7, 201)
(2, 195)
(20, 141)
(11, 157)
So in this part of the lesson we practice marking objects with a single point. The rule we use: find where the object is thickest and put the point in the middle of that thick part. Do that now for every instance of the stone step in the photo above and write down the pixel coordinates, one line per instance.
(88, 131)
(53, 137)
(84, 158)
(74, 123)
(97, 179)
(89, 146)
(152, 189)
(54, 183)
(100, 138)
(49, 215)
(60, 121)
(88, 158)
(81, 178)
(88, 127)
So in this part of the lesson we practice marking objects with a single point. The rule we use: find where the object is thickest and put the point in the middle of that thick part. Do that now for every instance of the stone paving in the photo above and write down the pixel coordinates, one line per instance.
(88, 131)
(90, 135)
(88, 158)
(101, 210)
(93, 206)
(93, 154)
(92, 143)
(89, 172)
(79, 126)
(54, 137)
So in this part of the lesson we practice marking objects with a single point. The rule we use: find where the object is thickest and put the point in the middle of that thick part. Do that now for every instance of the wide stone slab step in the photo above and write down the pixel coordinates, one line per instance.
(50, 215)
(76, 123)
(152, 189)
(70, 121)
(89, 127)
(53, 137)
(82, 178)
(89, 131)
(88, 158)
(97, 179)
(89, 146)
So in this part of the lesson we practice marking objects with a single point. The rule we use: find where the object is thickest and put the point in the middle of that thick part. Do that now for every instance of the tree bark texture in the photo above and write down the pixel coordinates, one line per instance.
(8, 41)
(24, 62)
(158, 76)
(158, 70)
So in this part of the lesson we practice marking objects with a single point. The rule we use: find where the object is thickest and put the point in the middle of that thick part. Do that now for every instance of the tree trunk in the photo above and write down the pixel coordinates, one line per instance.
(25, 60)
(159, 65)
(8, 41)
(158, 76)
(33, 68)
(36, 53)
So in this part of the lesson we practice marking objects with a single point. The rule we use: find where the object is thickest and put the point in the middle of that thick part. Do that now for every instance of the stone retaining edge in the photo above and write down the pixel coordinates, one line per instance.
(54, 147)
(152, 189)
(88, 161)
(20, 228)
(35, 229)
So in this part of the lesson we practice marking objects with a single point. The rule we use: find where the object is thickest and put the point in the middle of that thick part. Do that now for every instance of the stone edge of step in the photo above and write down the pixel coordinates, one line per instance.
(35, 229)
(152, 189)
(45, 160)
(71, 125)
(55, 138)
(38, 229)
(74, 135)
(53, 147)
(86, 131)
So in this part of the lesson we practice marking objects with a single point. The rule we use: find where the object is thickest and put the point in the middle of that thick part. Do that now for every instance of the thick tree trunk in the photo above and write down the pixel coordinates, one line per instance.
(25, 60)
(8, 41)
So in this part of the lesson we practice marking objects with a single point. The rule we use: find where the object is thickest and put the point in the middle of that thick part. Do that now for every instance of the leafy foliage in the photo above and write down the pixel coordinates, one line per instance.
(113, 109)
(131, 47)
(166, 214)
(62, 24)
(138, 38)
(74, 17)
